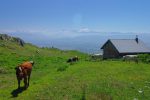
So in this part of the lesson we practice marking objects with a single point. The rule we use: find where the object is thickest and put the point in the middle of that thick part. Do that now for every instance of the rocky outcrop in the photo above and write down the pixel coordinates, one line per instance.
(6, 37)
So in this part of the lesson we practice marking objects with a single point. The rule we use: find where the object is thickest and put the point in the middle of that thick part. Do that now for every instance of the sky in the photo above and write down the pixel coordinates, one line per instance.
(58, 18)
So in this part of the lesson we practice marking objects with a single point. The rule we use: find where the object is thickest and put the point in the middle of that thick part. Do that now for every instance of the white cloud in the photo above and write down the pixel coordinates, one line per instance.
(87, 31)
(84, 30)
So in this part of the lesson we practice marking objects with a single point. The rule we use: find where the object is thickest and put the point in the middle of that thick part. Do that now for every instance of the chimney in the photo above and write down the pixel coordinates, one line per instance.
(136, 39)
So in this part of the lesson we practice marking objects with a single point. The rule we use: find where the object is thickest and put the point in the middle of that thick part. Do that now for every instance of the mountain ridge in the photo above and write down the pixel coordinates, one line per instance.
(5, 37)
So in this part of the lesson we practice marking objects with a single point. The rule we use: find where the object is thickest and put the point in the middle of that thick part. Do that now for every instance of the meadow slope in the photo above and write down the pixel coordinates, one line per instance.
(54, 79)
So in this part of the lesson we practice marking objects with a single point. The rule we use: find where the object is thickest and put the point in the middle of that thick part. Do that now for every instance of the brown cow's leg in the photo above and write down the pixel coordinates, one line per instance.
(18, 82)
(25, 82)
(29, 73)
(28, 79)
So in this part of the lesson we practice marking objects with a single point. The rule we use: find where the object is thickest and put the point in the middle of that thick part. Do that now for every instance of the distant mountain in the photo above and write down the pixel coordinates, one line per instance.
(5, 37)
(90, 43)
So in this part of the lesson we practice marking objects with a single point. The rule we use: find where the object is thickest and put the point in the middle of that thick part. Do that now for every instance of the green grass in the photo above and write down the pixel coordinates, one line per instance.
(54, 79)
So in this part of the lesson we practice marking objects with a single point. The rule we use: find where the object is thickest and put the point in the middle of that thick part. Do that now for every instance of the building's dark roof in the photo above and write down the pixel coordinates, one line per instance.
(129, 46)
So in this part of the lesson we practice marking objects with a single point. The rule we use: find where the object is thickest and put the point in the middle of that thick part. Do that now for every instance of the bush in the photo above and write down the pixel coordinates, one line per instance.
(144, 58)
(3, 71)
(62, 68)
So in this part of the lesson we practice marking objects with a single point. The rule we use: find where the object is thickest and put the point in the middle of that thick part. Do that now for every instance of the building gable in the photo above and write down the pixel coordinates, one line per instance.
(120, 47)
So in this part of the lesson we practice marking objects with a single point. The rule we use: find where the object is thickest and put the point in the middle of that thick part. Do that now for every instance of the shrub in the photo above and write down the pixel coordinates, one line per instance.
(144, 58)
(62, 68)
(3, 71)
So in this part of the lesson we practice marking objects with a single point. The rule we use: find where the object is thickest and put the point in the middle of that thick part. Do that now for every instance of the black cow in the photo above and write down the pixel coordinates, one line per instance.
(73, 59)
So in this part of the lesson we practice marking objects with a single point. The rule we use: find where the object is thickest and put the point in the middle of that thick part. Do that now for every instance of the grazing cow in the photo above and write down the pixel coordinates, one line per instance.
(23, 71)
(130, 58)
(96, 57)
(73, 59)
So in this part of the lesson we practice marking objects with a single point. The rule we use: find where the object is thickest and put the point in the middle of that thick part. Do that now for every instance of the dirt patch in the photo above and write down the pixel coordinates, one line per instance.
(100, 96)
(3, 71)
(116, 84)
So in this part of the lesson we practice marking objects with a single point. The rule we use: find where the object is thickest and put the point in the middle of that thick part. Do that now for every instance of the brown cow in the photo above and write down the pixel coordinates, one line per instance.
(23, 71)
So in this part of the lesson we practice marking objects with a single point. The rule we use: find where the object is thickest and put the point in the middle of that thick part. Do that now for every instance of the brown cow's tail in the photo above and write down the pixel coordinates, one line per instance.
(32, 62)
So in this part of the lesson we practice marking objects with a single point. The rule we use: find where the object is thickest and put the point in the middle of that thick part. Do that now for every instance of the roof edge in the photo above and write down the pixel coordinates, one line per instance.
(105, 43)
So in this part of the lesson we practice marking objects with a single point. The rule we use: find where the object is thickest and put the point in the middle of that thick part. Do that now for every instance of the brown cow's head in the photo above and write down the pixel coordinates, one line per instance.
(32, 62)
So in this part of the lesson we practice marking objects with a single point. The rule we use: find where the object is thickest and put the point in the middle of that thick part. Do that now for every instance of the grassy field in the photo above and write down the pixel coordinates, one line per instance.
(54, 79)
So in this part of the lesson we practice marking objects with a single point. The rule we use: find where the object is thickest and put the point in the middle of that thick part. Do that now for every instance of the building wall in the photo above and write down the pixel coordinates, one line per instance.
(109, 51)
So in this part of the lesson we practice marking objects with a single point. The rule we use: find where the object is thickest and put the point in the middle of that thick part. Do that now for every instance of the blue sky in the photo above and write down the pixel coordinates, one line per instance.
(71, 17)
